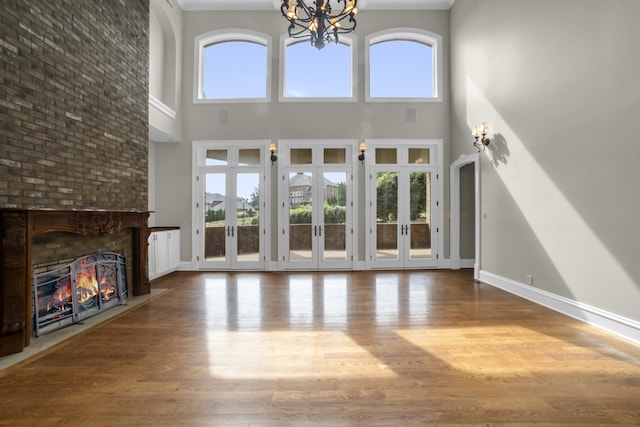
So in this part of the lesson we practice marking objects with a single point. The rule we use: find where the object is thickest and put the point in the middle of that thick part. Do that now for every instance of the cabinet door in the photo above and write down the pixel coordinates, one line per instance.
(161, 252)
(174, 249)
(151, 256)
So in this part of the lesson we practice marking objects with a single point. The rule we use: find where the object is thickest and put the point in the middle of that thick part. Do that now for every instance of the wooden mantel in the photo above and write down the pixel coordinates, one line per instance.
(18, 227)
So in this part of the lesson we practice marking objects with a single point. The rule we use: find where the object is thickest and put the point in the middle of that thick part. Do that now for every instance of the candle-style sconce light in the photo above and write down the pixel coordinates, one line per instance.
(272, 149)
(480, 140)
(362, 148)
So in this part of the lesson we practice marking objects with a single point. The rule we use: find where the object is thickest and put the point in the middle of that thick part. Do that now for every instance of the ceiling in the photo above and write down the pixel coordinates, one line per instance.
(275, 4)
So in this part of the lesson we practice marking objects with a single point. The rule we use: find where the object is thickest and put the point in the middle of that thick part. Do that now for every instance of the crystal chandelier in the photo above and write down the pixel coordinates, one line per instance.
(318, 22)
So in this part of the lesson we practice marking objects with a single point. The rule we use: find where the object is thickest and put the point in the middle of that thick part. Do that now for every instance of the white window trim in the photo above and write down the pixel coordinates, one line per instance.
(227, 35)
(346, 39)
(413, 34)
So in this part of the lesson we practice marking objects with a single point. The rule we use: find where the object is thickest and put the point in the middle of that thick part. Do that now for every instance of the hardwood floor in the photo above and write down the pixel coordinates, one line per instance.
(410, 348)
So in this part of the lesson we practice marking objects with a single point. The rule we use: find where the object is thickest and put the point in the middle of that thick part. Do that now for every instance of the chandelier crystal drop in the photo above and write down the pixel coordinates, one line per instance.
(317, 22)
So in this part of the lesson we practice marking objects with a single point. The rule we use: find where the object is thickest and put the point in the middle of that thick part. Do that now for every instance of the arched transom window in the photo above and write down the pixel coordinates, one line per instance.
(308, 74)
(232, 65)
(403, 64)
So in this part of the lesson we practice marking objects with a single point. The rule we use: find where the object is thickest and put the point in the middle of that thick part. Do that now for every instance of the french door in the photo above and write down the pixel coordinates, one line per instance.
(230, 208)
(403, 219)
(316, 218)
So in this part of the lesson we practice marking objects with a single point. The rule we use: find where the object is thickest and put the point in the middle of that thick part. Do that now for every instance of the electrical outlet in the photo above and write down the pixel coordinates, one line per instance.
(529, 280)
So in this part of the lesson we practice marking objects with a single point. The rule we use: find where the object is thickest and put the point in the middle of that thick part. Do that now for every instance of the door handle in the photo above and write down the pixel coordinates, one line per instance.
(315, 230)
(232, 231)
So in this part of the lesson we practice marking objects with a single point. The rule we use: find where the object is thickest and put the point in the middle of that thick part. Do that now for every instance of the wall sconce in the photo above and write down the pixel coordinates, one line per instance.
(272, 148)
(362, 149)
(478, 132)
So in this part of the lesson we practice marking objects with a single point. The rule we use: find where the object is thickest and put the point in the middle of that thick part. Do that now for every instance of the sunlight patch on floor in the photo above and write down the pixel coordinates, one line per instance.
(286, 355)
(498, 351)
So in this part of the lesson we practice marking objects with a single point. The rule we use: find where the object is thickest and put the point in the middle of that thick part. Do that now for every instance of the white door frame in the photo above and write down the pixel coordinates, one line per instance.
(454, 257)
(199, 169)
(435, 166)
(317, 168)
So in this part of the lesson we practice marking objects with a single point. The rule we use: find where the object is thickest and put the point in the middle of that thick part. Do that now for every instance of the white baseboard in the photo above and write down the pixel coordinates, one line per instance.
(467, 263)
(186, 266)
(617, 325)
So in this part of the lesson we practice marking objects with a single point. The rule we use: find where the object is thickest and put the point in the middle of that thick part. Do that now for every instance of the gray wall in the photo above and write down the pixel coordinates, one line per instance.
(558, 81)
(165, 84)
(277, 120)
(467, 212)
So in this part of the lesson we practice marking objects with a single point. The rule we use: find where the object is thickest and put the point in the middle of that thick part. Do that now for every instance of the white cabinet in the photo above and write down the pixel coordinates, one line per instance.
(164, 251)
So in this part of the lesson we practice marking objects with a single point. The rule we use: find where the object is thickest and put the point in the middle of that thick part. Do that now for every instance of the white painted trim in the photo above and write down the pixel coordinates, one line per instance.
(226, 35)
(186, 266)
(199, 148)
(317, 165)
(467, 263)
(161, 106)
(436, 165)
(617, 325)
(244, 5)
(454, 224)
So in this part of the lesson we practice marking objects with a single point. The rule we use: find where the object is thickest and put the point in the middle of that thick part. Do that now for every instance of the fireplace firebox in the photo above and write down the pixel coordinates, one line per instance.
(69, 293)
(20, 227)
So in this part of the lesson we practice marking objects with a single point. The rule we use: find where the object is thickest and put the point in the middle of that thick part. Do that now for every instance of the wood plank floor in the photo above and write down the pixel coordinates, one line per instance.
(409, 348)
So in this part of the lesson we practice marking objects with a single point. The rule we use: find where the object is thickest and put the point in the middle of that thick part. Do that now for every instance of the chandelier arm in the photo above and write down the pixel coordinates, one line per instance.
(318, 23)
(309, 11)
(340, 18)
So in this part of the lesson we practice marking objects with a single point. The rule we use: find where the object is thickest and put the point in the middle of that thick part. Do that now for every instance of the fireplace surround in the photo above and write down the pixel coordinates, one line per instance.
(18, 228)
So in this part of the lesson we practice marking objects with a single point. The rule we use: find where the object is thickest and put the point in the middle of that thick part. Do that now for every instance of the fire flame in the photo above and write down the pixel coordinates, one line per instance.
(61, 298)
(108, 292)
(87, 285)
(63, 292)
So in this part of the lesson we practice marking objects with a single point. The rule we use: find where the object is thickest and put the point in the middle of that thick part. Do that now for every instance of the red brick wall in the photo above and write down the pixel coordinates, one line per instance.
(73, 103)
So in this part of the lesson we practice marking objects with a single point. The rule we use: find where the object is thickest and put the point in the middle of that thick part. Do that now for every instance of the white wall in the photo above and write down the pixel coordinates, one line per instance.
(558, 81)
(165, 85)
(277, 120)
(165, 70)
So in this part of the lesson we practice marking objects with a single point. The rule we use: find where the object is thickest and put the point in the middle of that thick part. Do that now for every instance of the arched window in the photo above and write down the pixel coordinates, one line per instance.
(403, 64)
(232, 66)
(308, 74)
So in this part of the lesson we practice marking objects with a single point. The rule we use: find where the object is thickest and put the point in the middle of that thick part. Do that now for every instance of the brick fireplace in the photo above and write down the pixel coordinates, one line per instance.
(73, 143)
(20, 228)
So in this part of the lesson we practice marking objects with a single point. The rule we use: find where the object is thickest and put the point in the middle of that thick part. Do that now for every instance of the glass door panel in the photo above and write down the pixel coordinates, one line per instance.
(386, 156)
(217, 158)
(301, 156)
(249, 157)
(335, 156)
(419, 156)
(335, 216)
(247, 211)
(301, 228)
(420, 215)
(386, 216)
(215, 222)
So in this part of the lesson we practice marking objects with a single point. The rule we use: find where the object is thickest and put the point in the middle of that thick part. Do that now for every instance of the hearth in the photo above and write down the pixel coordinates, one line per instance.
(65, 294)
